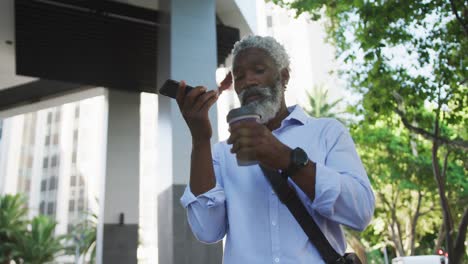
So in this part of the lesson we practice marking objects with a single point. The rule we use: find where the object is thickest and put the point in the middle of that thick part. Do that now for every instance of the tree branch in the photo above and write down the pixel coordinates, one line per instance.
(460, 242)
(460, 20)
(458, 143)
(444, 168)
(427, 211)
(440, 238)
(414, 222)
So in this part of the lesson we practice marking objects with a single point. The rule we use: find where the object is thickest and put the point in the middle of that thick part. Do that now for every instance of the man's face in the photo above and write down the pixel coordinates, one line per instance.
(257, 82)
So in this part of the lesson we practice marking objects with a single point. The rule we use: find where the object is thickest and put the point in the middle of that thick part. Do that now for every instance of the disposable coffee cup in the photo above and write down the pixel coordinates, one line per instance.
(243, 114)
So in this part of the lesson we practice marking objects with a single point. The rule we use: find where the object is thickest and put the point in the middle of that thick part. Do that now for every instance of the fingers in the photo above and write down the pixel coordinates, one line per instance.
(209, 103)
(191, 98)
(246, 135)
(251, 124)
(245, 129)
(203, 99)
(243, 133)
(180, 96)
(242, 144)
(247, 154)
(193, 95)
(196, 100)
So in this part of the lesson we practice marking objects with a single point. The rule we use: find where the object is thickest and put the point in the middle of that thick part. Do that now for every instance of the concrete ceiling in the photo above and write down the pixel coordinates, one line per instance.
(227, 11)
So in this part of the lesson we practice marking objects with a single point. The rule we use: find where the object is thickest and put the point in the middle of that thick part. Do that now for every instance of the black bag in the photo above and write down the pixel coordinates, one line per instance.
(288, 196)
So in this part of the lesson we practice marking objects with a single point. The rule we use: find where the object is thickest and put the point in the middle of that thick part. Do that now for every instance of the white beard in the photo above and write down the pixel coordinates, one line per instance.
(270, 103)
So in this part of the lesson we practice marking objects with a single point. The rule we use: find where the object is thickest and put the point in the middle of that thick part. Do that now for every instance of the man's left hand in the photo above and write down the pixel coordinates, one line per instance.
(253, 141)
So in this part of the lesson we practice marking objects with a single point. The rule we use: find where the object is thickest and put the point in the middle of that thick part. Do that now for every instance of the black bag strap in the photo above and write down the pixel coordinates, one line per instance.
(288, 196)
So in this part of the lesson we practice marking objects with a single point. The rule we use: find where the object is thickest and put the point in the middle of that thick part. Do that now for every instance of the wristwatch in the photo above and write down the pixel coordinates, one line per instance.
(299, 160)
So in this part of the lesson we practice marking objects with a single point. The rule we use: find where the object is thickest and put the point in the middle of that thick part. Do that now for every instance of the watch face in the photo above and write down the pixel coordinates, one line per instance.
(300, 157)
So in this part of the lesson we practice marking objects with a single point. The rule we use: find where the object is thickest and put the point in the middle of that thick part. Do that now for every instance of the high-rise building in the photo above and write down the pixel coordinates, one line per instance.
(52, 159)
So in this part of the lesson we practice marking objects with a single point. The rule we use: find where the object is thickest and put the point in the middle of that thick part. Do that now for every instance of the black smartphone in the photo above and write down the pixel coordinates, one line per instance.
(170, 88)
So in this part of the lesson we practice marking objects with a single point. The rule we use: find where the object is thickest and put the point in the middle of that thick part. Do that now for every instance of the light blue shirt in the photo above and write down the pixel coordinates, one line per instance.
(258, 227)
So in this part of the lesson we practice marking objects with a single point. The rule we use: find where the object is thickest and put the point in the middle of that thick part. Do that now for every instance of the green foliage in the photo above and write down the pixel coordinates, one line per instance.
(40, 244)
(409, 58)
(416, 49)
(13, 222)
(84, 237)
(319, 105)
(24, 241)
(399, 168)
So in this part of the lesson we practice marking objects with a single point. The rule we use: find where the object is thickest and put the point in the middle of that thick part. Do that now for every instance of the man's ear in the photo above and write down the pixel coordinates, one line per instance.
(284, 77)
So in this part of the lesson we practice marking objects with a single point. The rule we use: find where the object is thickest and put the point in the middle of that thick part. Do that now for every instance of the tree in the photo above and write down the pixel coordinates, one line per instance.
(32, 242)
(84, 237)
(13, 222)
(319, 105)
(40, 245)
(406, 209)
(409, 58)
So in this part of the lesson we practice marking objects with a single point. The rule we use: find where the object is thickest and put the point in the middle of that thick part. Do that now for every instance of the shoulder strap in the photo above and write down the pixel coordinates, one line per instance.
(288, 196)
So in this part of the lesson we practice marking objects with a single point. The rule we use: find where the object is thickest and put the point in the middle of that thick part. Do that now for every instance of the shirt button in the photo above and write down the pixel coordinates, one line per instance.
(273, 223)
(273, 192)
(276, 260)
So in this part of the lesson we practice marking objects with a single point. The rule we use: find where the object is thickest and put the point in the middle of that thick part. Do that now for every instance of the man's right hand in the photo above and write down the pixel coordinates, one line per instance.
(194, 108)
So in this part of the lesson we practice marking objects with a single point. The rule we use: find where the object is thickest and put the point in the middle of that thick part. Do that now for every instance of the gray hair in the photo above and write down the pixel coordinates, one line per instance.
(268, 44)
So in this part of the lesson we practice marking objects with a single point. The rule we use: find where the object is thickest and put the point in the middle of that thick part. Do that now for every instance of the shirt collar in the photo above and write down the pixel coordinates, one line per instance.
(296, 114)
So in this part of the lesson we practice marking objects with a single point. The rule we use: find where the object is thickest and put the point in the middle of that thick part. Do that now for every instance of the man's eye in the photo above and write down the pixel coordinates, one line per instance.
(260, 71)
(238, 77)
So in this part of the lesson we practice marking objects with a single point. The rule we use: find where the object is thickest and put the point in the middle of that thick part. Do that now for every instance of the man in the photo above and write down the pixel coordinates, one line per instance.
(224, 198)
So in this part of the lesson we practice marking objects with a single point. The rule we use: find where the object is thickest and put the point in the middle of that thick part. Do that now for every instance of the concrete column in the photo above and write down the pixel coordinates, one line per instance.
(187, 51)
(10, 156)
(118, 240)
(65, 169)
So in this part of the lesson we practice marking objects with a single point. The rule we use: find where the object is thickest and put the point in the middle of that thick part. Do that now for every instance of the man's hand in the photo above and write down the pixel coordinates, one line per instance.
(194, 108)
(253, 141)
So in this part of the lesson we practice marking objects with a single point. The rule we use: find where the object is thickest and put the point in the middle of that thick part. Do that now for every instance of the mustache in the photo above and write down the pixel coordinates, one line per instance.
(263, 91)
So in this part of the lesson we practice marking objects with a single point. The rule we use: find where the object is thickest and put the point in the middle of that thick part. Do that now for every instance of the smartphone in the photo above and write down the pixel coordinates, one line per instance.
(170, 88)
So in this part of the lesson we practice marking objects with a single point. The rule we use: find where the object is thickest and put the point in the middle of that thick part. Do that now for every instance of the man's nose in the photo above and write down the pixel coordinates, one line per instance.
(251, 79)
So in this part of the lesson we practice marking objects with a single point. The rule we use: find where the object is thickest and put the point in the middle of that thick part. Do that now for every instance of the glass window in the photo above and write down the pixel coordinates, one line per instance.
(27, 186)
(54, 161)
(69, 229)
(53, 183)
(43, 185)
(56, 139)
(30, 162)
(269, 21)
(71, 205)
(49, 117)
(74, 157)
(80, 205)
(45, 162)
(57, 115)
(50, 208)
(73, 180)
(42, 208)
(47, 140)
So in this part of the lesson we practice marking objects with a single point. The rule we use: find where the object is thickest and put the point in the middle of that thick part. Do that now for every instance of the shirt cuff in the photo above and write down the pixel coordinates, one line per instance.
(209, 199)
